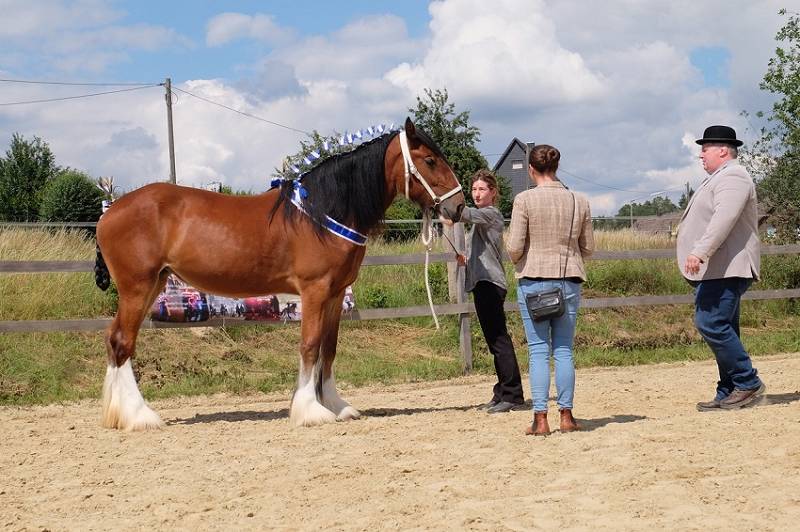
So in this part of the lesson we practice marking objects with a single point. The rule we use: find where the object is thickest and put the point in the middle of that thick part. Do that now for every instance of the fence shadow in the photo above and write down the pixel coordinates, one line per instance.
(389, 412)
(253, 415)
(283, 413)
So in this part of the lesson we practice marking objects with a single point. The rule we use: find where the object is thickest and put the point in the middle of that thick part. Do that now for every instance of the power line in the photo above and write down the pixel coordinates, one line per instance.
(79, 96)
(34, 82)
(241, 112)
(674, 189)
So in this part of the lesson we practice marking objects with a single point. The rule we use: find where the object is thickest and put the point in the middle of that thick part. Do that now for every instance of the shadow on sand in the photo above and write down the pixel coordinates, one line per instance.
(251, 415)
(593, 424)
(231, 417)
(780, 398)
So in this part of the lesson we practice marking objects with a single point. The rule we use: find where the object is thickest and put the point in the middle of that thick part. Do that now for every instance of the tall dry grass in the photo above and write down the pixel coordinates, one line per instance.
(628, 239)
(34, 296)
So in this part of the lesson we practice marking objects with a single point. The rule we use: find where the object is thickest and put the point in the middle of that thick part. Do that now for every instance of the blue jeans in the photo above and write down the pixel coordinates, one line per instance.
(556, 335)
(716, 317)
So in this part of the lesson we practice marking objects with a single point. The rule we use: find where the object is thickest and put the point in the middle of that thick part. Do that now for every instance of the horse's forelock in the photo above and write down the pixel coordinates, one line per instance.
(428, 141)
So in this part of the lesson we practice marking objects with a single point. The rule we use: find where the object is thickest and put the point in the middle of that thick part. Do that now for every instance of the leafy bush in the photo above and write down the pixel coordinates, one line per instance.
(402, 209)
(635, 278)
(780, 271)
(71, 197)
(24, 171)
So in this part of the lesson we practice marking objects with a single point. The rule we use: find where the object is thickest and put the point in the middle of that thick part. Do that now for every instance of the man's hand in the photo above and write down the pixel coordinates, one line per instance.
(445, 221)
(461, 259)
(692, 265)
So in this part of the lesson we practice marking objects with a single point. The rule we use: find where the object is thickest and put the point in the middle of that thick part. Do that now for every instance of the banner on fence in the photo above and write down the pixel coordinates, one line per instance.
(180, 302)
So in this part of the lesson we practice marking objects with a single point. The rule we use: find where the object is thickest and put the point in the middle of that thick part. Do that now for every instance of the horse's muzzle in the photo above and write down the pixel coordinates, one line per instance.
(450, 213)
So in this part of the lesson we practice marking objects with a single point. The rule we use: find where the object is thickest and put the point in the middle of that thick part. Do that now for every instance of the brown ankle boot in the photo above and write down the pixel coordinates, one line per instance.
(539, 427)
(568, 423)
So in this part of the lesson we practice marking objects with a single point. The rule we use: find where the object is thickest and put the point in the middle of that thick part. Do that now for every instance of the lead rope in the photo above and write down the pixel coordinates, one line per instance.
(427, 237)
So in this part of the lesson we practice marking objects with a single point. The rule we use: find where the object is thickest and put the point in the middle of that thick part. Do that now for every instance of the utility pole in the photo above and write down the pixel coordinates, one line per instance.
(168, 96)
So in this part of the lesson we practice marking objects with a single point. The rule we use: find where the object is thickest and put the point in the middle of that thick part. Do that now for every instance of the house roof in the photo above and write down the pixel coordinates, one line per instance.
(514, 142)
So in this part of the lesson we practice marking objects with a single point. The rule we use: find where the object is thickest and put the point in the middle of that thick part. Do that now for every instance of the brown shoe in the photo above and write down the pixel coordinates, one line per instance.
(539, 427)
(568, 423)
(742, 398)
(708, 406)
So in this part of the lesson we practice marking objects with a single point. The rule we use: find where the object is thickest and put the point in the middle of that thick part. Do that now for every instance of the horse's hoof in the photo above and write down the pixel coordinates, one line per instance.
(315, 414)
(348, 413)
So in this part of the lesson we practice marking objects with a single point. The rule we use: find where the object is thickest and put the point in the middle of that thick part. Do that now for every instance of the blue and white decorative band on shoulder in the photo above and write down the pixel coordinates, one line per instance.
(345, 232)
(300, 193)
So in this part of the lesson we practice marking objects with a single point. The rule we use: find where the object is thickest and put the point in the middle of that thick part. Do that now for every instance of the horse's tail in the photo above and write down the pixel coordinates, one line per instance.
(102, 277)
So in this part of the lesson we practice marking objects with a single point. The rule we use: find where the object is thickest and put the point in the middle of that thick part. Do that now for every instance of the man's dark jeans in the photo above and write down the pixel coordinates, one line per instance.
(716, 317)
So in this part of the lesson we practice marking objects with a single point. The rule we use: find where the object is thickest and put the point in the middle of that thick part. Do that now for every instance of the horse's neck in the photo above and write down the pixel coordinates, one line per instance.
(395, 172)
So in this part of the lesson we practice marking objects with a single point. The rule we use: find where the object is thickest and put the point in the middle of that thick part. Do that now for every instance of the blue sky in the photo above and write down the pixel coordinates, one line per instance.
(197, 60)
(622, 92)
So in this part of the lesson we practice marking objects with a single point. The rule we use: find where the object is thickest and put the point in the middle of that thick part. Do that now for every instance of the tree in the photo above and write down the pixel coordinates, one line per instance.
(24, 171)
(317, 148)
(653, 207)
(71, 196)
(685, 197)
(457, 138)
(774, 159)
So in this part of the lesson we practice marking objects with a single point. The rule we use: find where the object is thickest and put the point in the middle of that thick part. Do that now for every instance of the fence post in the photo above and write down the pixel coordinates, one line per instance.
(452, 266)
(464, 336)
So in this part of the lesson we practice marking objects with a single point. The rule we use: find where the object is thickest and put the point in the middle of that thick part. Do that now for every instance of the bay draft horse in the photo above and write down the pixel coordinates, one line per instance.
(248, 246)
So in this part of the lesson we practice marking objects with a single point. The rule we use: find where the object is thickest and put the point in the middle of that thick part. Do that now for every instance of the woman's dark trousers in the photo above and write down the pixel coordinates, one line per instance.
(489, 300)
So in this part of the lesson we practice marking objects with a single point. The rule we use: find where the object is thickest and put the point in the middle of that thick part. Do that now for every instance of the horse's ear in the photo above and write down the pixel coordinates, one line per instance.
(410, 129)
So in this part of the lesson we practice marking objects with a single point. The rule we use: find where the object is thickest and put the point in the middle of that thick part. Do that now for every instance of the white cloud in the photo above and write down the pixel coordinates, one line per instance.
(366, 47)
(23, 20)
(490, 54)
(612, 87)
(227, 27)
(76, 37)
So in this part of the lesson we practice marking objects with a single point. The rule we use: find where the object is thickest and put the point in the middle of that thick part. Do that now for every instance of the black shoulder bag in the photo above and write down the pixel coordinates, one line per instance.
(550, 303)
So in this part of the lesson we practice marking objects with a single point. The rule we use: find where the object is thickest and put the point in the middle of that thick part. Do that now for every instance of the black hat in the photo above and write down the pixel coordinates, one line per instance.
(719, 135)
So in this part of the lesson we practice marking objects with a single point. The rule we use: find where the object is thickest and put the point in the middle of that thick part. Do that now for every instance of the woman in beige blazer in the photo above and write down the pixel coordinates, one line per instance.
(550, 235)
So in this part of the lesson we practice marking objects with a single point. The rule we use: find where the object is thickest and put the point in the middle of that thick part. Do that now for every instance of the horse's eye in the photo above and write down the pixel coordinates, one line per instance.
(430, 160)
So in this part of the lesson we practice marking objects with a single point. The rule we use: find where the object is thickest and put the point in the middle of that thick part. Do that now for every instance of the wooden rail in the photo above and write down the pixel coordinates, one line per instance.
(66, 266)
(462, 308)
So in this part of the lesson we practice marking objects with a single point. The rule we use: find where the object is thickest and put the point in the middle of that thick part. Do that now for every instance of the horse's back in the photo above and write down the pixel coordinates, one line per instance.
(161, 219)
(223, 244)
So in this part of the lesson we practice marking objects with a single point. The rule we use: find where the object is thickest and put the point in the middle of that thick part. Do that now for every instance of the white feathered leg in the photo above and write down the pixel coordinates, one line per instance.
(123, 405)
(306, 410)
(332, 401)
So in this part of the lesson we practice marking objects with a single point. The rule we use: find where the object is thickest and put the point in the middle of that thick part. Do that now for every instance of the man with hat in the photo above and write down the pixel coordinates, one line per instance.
(719, 254)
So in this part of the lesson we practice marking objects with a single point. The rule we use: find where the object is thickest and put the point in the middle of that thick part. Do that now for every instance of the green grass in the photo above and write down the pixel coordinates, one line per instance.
(46, 368)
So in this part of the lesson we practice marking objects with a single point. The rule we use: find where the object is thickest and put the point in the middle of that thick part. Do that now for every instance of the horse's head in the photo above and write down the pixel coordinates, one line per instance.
(428, 179)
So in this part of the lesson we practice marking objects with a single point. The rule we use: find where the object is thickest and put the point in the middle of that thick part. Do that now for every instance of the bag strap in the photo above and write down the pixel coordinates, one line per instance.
(569, 238)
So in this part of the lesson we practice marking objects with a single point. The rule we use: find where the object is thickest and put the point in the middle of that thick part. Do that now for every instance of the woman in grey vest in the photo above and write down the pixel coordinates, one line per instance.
(486, 279)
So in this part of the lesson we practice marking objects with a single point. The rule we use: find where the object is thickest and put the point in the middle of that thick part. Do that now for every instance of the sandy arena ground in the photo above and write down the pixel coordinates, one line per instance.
(422, 458)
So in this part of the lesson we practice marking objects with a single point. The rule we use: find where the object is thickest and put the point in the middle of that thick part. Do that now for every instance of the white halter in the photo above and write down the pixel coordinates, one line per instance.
(427, 226)
(411, 169)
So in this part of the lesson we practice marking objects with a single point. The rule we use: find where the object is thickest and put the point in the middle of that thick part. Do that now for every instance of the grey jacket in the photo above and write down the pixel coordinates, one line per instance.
(720, 226)
(484, 246)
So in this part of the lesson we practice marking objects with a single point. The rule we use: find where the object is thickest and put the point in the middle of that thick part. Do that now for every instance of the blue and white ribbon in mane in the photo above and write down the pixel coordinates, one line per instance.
(300, 193)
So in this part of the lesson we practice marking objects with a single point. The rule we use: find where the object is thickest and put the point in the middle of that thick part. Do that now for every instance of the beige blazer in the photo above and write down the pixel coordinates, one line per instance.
(720, 226)
(540, 224)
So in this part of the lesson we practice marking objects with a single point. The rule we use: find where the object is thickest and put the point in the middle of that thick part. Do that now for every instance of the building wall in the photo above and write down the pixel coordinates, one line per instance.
(515, 169)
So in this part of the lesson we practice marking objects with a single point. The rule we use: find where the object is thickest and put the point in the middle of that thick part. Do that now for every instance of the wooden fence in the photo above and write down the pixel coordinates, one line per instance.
(460, 307)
